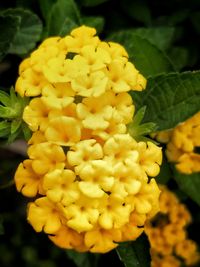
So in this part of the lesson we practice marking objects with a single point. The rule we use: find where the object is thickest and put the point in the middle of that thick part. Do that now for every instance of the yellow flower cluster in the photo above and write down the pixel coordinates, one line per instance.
(90, 177)
(167, 234)
(182, 142)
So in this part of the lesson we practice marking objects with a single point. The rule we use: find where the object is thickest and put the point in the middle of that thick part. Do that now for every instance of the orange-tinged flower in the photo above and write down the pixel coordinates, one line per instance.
(67, 238)
(102, 240)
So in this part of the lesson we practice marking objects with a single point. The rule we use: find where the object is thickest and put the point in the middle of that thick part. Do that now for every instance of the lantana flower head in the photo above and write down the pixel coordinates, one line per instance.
(182, 144)
(169, 242)
(91, 179)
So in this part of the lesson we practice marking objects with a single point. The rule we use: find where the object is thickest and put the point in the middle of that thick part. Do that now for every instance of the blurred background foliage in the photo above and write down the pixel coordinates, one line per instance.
(160, 36)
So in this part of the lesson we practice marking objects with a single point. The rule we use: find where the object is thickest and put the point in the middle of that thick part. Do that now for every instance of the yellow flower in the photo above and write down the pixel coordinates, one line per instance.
(81, 37)
(96, 57)
(102, 241)
(84, 151)
(127, 180)
(115, 50)
(27, 181)
(30, 83)
(60, 186)
(36, 115)
(122, 77)
(145, 200)
(189, 163)
(121, 148)
(46, 157)
(57, 96)
(67, 238)
(88, 85)
(45, 52)
(37, 138)
(96, 178)
(134, 228)
(150, 157)
(44, 215)
(182, 144)
(63, 131)
(114, 213)
(82, 214)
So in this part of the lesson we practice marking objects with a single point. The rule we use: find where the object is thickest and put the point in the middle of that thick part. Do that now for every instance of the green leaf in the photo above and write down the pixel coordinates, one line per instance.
(8, 28)
(26, 131)
(28, 31)
(15, 125)
(148, 59)
(83, 259)
(137, 129)
(4, 98)
(92, 2)
(161, 37)
(45, 7)
(170, 99)
(4, 128)
(189, 184)
(135, 254)
(8, 112)
(95, 22)
(60, 11)
(67, 27)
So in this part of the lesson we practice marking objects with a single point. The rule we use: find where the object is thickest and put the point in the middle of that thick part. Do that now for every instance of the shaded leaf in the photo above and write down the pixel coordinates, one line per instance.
(165, 173)
(136, 253)
(83, 259)
(189, 184)
(148, 59)
(92, 2)
(179, 56)
(8, 28)
(170, 99)
(28, 32)
(95, 22)
(60, 14)
(161, 37)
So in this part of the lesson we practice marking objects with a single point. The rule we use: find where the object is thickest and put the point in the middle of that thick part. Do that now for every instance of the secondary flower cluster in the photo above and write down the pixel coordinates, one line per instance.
(182, 143)
(167, 234)
(90, 177)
